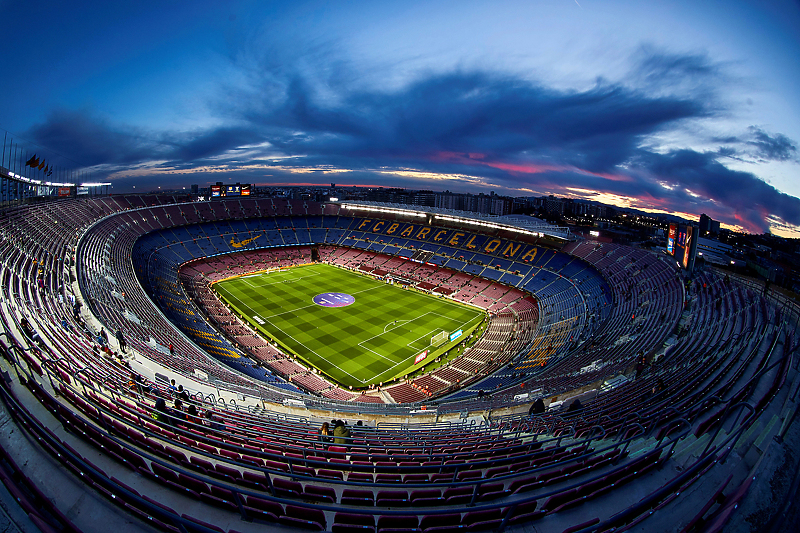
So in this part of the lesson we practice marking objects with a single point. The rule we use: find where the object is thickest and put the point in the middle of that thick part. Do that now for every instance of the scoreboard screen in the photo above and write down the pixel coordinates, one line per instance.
(673, 230)
(682, 244)
(688, 254)
(236, 189)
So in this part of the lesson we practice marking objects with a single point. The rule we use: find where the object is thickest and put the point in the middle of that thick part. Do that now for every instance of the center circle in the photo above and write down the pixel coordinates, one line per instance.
(333, 299)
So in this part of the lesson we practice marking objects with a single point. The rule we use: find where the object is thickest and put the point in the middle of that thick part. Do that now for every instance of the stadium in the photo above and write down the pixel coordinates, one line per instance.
(494, 374)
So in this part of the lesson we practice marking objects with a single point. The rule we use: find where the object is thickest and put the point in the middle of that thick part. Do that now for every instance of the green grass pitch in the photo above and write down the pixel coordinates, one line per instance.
(375, 339)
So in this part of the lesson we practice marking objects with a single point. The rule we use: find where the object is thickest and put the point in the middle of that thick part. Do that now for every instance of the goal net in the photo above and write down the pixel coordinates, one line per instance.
(439, 338)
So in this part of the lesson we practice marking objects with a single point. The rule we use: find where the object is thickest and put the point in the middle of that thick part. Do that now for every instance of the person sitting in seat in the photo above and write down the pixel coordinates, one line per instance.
(162, 413)
(575, 407)
(325, 433)
(537, 407)
(341, 433)
(182, 394)
(28, 330)
(192, 416)
(213, 423)
(137, 384)
(177, 411)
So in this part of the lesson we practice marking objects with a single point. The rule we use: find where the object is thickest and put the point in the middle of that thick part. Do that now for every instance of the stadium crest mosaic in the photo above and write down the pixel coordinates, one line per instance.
(334, 299)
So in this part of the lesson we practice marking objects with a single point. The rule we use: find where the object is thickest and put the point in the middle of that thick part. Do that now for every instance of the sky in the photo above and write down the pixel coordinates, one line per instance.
(679, 107)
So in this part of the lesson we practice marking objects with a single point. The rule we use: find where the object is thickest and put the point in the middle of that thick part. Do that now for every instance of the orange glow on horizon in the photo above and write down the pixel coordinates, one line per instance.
(646, 203)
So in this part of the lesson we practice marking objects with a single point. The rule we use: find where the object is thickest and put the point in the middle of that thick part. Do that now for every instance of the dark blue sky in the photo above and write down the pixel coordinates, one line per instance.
(681, 107)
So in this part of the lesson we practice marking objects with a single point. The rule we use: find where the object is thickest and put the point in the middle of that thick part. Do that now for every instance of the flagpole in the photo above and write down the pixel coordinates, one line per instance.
(3, 164)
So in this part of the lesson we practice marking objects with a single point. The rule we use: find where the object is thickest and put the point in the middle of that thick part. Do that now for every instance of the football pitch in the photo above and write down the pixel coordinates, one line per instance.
(353, 328)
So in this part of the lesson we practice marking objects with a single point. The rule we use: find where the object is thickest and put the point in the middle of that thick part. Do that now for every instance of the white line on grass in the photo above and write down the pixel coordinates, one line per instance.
(389, 370)
(288, 279)
(397, 323)
(426, 336)
(318, 355)
(380, 355)
(384, 331)
(312, 305)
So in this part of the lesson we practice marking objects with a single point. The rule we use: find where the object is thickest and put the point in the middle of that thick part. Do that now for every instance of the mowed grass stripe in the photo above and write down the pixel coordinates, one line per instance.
(355, 345)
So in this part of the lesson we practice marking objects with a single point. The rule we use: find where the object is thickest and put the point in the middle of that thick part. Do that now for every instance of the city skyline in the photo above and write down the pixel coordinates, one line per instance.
(668, 108)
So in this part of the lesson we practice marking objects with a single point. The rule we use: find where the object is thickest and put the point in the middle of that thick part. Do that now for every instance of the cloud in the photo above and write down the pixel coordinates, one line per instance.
(189, 148)
(662, 72)
(756, 145)
(735, 196)
(90, 140)
(776, 147)
(475, 127)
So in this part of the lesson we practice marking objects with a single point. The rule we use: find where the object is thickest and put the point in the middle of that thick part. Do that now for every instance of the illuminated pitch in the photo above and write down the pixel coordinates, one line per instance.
(355, 329)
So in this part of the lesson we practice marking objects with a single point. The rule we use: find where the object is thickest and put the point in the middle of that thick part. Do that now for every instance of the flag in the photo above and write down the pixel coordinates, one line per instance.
(41, 165)
(33, 161)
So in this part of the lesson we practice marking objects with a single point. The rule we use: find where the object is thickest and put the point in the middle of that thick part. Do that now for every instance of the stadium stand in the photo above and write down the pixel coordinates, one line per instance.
(659, 397)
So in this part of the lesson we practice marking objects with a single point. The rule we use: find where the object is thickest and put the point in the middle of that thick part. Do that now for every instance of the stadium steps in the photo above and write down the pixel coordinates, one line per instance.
(689, 449)
(756, 439)
(386, 397)
(613, 382)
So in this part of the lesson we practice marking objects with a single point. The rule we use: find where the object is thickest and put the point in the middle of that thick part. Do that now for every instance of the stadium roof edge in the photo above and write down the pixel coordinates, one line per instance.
(515, 223)
(11, 175)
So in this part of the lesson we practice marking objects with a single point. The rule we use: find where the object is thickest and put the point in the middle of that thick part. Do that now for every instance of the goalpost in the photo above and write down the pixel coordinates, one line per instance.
(439, 338)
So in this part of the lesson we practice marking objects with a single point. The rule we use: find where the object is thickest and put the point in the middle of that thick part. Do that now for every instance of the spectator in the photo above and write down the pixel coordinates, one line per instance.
(656, 393)
(575, 406)
(213, 423)
(341, 434)
(103, 335)
(182, 394)
(537, 407)
(162, 413)
(137, 384)
(123, 345)
(28, 330)
(26, 327)
(171, 390)
(641, 365)
(171, 349)
(325, 433)
(192, 416)
(177, 410)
